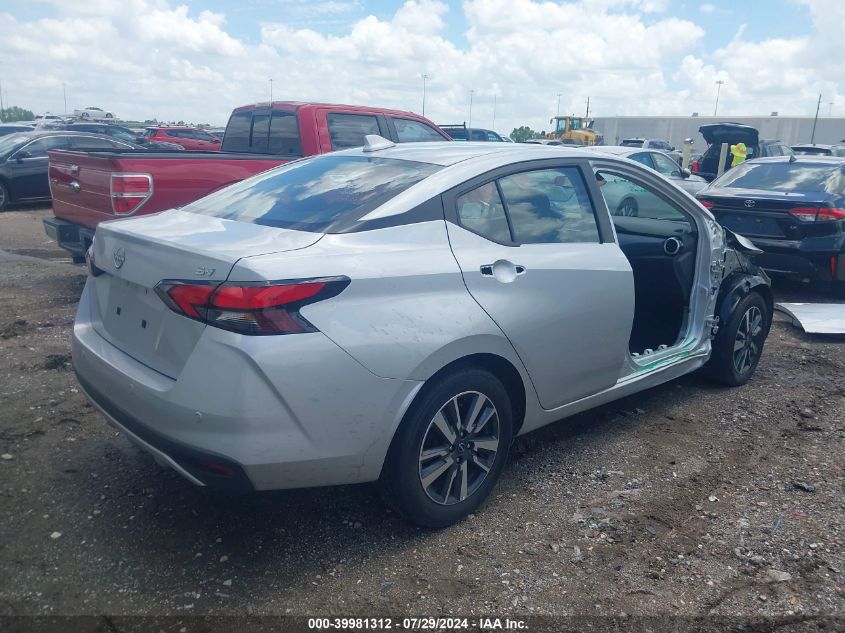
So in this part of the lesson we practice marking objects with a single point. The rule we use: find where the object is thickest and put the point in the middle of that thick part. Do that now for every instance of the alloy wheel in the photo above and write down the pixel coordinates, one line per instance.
(628, 208)
(459, 448)
(747, 344)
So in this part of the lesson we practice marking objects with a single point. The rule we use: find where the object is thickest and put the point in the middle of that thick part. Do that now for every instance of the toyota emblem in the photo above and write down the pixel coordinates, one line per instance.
(750, 203)
(119, 256)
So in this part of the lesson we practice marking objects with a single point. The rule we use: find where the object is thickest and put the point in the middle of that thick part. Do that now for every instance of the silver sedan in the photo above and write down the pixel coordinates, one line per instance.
(400, 313)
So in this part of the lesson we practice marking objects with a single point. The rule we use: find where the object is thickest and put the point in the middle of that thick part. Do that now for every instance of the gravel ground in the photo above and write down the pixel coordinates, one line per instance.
(686, 500)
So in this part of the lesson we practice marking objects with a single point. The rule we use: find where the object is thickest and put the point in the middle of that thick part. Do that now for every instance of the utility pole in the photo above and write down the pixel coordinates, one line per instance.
(471, 92)
(64, 94)
(425, 79)
(558, 104)
(587, 116)
(494, 112)
(271, 90)
(813, 135)
(719, 85)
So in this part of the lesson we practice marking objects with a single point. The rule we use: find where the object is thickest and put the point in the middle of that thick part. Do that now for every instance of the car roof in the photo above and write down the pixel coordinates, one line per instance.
(814, 145)
(450, 152)
(803, 159)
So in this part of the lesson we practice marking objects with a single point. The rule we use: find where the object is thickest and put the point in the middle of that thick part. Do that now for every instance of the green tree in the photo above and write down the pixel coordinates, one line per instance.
(522, 134)
(15, 113)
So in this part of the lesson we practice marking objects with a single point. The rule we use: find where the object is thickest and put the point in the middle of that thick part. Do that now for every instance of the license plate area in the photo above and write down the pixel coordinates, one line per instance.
(751, 225)
(132, 314)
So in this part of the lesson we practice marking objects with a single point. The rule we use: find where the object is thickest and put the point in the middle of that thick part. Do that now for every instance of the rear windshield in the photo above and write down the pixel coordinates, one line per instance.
(263, 132)
(311, 194)
(786, 177)
(632, 142)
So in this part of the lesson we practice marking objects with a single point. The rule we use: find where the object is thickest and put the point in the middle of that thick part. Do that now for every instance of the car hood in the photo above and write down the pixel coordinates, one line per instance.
(720, 133)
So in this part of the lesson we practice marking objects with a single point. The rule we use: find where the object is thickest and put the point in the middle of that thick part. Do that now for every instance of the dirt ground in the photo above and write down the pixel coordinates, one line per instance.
(686, 500)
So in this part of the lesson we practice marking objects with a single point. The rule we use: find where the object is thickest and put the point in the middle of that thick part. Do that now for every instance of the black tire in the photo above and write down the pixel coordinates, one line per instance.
(628, 208)
(405, 467)
(84, 116)
(734, 366)
(4, 197)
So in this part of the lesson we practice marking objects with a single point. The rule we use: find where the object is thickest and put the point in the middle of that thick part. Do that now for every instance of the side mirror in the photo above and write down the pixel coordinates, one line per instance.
(22, 154)
(686, 173)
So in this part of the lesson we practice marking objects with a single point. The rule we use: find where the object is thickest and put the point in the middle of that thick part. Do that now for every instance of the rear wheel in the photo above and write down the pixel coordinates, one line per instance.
(449, 449)
(85, 116)
(4, 197)
(628, 207)
(739, 342)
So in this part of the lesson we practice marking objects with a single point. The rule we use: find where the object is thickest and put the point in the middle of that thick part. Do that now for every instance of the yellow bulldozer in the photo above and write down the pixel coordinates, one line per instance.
(574, 130)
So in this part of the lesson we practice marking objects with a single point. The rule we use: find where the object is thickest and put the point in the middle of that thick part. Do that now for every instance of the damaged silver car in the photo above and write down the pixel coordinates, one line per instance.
(400, 313)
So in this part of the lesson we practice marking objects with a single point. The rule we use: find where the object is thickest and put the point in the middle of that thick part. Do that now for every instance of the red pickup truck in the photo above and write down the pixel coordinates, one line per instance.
(90, 187)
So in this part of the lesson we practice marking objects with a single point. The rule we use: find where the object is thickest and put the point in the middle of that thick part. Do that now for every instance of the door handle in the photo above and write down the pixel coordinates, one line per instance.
(74, 186)
(502, 270)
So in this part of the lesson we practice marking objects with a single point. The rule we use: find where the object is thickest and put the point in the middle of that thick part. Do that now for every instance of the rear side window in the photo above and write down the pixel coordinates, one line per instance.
(311, 194)
(481, 211)
(785, 176)
(349, 130)
(549, 206)
(409, 131)
(644, 158)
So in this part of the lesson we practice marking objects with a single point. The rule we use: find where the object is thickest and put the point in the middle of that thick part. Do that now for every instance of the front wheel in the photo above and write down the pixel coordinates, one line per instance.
(450, 449)
(84, 116)
(739, 342)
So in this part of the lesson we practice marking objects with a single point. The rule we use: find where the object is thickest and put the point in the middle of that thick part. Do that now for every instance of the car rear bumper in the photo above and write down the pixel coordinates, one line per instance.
(69, 236)
(813, 257)
(248, 412)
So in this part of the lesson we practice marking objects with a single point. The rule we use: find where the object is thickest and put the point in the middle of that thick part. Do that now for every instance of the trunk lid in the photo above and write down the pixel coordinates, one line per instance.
(718, 133)
(135, 255)
(766, 214)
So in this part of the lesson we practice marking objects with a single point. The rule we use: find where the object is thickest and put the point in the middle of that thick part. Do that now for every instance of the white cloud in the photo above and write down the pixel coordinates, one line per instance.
(707, 8)
(154, 58)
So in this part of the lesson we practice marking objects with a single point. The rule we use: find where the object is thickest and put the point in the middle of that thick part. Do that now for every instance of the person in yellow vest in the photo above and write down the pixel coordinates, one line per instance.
(739, 153)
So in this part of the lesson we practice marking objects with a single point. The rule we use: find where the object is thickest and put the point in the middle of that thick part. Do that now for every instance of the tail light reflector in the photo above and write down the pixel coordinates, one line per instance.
(817, 214)
(129, 192)
(250, 308)
(707, 204)
(694, 167)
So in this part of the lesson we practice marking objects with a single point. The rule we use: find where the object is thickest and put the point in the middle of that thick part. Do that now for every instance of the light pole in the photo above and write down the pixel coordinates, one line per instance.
(719, 84)
(425, 79)
(64, 95)
(471, 92)
(558, 103)
(271, 90)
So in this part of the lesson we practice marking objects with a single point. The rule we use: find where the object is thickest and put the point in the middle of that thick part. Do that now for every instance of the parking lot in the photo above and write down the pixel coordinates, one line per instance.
(687, 499)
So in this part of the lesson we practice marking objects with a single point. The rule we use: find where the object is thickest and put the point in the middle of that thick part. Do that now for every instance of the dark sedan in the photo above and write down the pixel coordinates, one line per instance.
(793, 208)
(24, 161)
(11, 128)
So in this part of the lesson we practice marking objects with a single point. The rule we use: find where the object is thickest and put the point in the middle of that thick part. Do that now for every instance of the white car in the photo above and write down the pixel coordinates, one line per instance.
(93, 113)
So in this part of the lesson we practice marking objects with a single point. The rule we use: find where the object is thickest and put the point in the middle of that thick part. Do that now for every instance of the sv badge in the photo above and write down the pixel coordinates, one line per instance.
(202, 271)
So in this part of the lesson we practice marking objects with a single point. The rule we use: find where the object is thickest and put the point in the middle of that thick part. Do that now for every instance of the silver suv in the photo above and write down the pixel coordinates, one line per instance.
(400, 313)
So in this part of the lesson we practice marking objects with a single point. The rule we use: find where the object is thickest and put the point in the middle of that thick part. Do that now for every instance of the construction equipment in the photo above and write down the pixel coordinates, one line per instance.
(574, 130)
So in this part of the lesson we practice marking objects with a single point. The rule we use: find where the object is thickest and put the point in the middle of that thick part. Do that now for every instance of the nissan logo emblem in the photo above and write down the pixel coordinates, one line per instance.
(750, 203)
(119, 256)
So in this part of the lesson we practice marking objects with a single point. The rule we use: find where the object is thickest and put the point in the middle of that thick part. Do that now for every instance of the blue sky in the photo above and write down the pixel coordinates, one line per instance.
(197, 59)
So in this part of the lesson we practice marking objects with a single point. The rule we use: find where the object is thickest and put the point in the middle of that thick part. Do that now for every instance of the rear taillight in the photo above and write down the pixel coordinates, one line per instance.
(707, 204)
(250, 308)
(694, 167)
(129, 192)
(817, 214)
